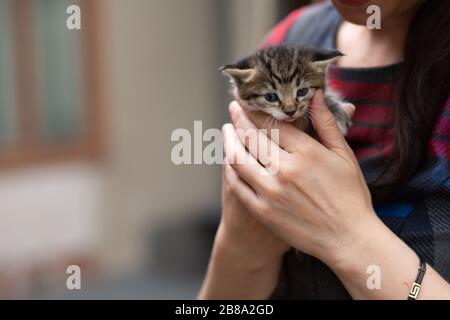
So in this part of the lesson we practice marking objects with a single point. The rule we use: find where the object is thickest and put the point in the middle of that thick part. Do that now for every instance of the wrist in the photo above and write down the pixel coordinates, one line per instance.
(365, 239)
(232, 275)
(376, 252)
(244, 258)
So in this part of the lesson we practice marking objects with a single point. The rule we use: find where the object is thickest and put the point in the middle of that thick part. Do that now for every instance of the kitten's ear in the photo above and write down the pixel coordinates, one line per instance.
(238, 75)
(321, 59)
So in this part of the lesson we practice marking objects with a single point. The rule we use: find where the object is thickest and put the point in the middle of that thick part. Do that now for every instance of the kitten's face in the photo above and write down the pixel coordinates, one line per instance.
(279, 81)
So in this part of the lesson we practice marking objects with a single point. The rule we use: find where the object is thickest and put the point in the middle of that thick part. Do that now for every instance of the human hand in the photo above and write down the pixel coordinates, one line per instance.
(252, 242)
(317, 199)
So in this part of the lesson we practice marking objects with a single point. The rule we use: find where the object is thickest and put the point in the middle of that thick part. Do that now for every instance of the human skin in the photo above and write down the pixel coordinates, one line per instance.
(318, 201)
(246, 258)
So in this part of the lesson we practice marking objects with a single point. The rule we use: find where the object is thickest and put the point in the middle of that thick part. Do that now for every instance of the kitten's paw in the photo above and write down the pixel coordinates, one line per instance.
(346, 123)
(349, 109)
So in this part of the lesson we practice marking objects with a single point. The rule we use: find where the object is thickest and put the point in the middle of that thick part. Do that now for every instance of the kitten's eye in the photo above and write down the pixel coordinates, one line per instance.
(302, 92)
(271, 97)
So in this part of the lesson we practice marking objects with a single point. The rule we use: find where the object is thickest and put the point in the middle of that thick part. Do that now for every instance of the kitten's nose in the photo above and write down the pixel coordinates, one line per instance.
(290, 113)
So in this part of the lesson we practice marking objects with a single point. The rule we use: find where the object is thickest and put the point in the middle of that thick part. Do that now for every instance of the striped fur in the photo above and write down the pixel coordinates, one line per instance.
(283, 70)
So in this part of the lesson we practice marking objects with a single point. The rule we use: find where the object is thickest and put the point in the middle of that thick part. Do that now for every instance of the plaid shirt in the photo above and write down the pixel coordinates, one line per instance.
(419, 211)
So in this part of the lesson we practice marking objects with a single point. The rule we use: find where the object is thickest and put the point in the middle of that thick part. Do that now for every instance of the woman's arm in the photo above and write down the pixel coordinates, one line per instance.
(317, 200)
(397, 263)
(234, 273)
(246, 257)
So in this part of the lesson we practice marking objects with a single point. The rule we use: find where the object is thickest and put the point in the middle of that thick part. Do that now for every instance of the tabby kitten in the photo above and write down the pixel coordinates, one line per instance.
(281, 81)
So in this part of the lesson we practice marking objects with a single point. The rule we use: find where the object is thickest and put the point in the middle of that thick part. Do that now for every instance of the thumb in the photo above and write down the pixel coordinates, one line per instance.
(325, 124)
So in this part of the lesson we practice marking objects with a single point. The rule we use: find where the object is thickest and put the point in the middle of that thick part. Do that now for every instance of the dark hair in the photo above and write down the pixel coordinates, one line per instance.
(424, 86)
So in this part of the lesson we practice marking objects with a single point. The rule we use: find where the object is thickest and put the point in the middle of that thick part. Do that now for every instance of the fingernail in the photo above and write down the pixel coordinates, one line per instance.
(225, 128)
(232, 107)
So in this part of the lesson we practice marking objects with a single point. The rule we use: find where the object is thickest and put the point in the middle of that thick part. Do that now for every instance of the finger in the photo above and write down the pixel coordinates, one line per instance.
(245, 194)
(349, 109)
(242, 162)
(301, 123)
(233, 148)
(258, 143)
(325, 124)
(286, 135)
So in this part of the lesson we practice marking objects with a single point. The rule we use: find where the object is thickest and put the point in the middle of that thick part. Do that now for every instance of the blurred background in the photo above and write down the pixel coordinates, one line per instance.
(86, 118)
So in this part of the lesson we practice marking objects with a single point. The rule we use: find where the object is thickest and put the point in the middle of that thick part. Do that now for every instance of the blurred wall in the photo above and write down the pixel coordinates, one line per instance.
(162, 61)
(249, 21)
(48, 214)
(159, 63)
(161, 75)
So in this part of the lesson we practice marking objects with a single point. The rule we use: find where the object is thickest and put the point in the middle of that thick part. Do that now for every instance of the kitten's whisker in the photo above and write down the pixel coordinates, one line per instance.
(271, 122)
(269, 126)
(308, 116)
(310, 113)
(267, 122)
